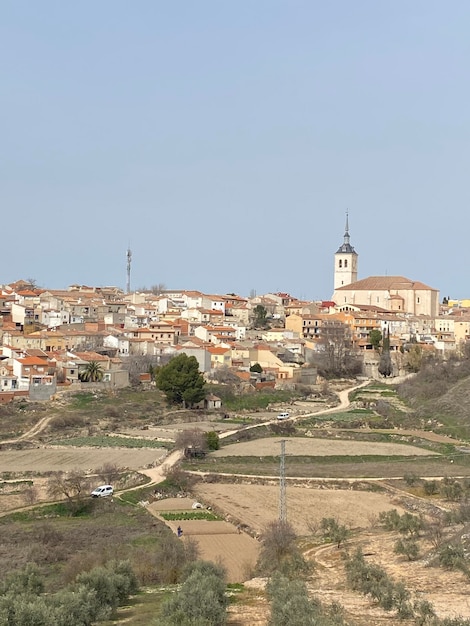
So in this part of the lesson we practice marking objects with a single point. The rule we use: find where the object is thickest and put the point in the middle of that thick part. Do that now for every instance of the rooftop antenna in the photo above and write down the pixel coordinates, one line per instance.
(282, 484)
(129, 260)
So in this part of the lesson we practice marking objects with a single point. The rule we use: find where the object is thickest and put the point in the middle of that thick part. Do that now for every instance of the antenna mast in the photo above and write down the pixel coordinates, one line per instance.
(282, 484)
(129, 259)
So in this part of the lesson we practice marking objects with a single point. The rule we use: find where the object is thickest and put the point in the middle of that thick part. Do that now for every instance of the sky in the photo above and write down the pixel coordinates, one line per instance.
(224, 142)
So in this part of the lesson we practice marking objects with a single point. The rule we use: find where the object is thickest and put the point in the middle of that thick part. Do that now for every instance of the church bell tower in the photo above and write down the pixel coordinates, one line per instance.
(345, 261)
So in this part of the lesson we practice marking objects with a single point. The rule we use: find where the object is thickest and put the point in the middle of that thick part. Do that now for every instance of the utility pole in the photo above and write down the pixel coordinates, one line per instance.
(282, 484)
(129, 259)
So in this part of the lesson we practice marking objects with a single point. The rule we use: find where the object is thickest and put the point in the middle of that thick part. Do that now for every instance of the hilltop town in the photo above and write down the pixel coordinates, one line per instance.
(49, 337)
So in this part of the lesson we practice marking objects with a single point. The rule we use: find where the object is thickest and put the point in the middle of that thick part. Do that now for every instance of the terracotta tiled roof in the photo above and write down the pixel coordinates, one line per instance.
(377, 283)
(31, 360)
(91, 356)
(217, 350)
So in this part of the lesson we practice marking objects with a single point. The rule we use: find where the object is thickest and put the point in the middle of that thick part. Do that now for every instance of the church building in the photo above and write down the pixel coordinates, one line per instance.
(390, 293)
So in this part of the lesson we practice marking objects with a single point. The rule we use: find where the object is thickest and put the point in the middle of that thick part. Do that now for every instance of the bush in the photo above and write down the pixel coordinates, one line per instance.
(201, 600)
(291, 605)
(406, 523)
(112, 585)
(334, 532)
(373, 580)
(411, 479)
(452, 556)
(212, 440)
(408, 548)
(93, 597)
(78, 607)
(430, 487)
(451, 489)
(390, 519)
(279, 551)
(24, 581)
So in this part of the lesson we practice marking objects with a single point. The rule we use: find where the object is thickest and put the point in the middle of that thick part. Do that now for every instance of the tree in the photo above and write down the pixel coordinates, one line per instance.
(385, 364)
(375, 337)
(291, 605)
(191, 438)
(212, 440)
(279, 551)
(337, 358)
(140, 364)
(408, 547)
(201, 600)
(109, 473)
(414, 358)
(260, 317)
(334, 532)
(91, 373)
(71, 485)
(112, 585)
(256, 367)
(181, 381)
(158, 289)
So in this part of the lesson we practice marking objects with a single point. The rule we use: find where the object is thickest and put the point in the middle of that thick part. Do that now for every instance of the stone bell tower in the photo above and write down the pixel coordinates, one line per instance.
(345, 261)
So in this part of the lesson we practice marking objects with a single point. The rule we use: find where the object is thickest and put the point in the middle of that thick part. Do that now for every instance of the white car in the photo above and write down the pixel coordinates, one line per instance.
(102, 491)
(283, 416)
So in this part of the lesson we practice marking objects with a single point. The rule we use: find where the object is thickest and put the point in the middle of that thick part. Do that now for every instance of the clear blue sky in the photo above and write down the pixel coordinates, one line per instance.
(225, 141)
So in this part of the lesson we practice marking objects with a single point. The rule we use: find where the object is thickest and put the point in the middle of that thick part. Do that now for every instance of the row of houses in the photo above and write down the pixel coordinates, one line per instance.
(48, 336)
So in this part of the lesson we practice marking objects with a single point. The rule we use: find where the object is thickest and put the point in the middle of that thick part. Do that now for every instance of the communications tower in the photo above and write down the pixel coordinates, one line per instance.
(129, 259)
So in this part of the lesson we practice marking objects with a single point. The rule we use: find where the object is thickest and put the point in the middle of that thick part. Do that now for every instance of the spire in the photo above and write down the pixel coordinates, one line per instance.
(346, 231)
(346, 246)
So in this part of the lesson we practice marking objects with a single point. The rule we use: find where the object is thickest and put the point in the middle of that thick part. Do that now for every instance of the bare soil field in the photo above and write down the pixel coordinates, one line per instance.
(218, 541)
(447, 591)
(257, 505)
(50, 459)
(309, 446)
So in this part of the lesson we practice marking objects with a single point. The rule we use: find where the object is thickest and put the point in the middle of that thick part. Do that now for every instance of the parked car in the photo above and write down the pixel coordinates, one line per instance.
(101, 491)
(283, 416)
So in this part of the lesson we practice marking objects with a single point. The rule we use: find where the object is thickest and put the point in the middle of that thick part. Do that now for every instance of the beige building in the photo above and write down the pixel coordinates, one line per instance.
(391, 293)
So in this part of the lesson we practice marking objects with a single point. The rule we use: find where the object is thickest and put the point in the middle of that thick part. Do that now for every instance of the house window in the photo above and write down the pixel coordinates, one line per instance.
(345, 263)
(340, 263)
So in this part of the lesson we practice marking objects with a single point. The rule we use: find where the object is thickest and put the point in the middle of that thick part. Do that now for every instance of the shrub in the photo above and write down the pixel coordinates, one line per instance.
(452, 556)
(112, 585)
(408, 548)
(430, 487)
(334, 532)
(372, 580)
(78, 607)
(451, 489)
(290, 604)
(390, 519)
(212, 440)
(279, 551)
(406, 523)
(411, 479)
(200, 601)
(24, 581)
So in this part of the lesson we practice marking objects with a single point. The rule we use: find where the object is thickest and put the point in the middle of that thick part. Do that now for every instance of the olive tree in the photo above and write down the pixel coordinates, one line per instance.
(201, 600)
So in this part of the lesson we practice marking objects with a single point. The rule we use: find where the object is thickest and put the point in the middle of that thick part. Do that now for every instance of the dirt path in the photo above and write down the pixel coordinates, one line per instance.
(343, 404)
(32, 432)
